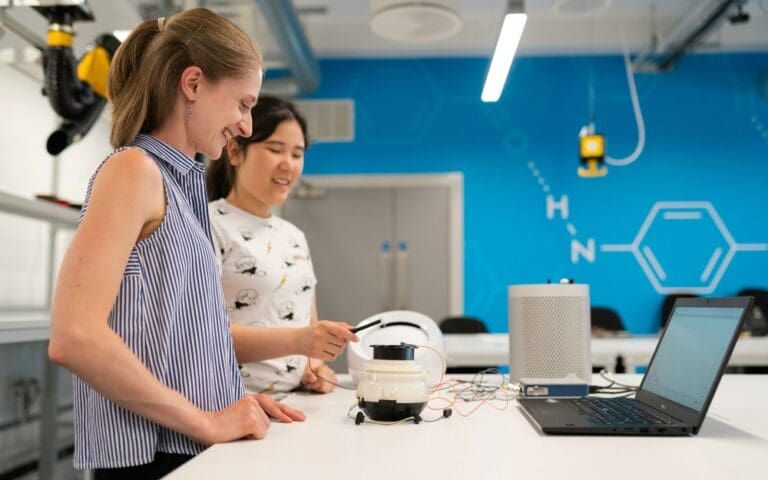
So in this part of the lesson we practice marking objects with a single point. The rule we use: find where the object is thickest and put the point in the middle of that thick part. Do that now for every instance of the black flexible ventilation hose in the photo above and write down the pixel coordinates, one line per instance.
(70, 131)
(70, 97)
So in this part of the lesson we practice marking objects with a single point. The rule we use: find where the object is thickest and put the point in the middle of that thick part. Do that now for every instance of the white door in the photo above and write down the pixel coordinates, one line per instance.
(345, 230)
(383, 243)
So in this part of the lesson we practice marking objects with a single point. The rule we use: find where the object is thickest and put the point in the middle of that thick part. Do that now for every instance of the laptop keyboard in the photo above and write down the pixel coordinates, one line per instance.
(618, 411)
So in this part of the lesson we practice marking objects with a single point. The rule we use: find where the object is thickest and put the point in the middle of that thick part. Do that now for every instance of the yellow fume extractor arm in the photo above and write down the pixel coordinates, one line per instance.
(77, 91)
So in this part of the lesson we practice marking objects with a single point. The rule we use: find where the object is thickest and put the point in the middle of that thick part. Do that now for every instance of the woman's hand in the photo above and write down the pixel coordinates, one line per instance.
(279, 411)
(325, 340)
(243, 419)
(318, 377)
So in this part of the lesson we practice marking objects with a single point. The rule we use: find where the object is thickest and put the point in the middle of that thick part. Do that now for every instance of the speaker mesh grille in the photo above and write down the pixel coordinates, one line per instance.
(549, 337)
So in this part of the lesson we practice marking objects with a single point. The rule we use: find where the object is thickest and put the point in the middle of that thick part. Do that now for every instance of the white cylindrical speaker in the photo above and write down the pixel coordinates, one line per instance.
(549, 332)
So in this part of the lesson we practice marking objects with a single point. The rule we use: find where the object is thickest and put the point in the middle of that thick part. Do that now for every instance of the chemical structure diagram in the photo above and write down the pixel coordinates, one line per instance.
(680, 246)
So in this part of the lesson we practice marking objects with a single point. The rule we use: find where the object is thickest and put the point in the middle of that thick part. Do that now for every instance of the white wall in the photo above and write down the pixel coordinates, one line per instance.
(25, 166)
(27, 169)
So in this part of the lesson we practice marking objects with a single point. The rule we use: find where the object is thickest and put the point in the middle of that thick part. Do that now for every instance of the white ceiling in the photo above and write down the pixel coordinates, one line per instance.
(341, 28)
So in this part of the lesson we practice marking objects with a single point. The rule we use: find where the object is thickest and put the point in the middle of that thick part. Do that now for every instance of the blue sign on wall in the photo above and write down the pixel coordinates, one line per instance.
(688, 215)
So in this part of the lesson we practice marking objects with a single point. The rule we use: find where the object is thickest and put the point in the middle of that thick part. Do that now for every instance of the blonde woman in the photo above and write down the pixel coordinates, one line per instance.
(138, 314)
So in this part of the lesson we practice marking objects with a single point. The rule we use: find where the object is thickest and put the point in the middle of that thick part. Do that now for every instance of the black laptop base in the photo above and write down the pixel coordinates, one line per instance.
(569, 417)
(677, 388)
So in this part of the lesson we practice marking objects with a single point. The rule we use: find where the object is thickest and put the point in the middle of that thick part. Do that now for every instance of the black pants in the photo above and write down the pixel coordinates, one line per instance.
(163, 464)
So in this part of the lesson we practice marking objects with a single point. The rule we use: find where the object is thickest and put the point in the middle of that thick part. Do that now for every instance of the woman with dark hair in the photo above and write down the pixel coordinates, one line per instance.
(138, 315)
(266, 269)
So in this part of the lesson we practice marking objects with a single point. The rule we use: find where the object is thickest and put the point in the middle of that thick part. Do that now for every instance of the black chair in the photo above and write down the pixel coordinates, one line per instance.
(451, 325)
(606, 319)
(463, 325)
(756, 322)
(668, 303)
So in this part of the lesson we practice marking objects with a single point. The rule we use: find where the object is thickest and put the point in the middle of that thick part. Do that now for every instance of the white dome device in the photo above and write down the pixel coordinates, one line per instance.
(393, 387)
(393, 328)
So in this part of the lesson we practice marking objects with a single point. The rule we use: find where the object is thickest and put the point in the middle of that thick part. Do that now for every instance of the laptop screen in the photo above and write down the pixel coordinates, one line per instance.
(688, 359)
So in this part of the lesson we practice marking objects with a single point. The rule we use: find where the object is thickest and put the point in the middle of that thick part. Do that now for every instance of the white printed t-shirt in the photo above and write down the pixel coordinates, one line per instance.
(268, 281)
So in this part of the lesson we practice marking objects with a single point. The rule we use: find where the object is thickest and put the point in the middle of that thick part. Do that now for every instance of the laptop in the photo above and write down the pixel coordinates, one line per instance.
(677, 388)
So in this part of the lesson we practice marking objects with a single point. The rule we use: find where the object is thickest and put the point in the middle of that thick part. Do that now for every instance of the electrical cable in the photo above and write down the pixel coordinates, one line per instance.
(620, 390)
(346, 387)
(476, 390)
(442, 366)
(622, 162)
(607, 376)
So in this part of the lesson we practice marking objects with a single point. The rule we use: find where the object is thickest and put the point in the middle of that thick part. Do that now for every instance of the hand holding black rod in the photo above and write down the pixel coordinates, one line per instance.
(367, 325)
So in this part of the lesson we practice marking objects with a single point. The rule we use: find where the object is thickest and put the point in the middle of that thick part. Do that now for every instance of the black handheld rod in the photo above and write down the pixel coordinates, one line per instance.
(367, 325)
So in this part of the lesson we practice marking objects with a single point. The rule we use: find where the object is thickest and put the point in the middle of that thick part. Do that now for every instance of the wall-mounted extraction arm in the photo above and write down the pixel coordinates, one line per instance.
(77, 91)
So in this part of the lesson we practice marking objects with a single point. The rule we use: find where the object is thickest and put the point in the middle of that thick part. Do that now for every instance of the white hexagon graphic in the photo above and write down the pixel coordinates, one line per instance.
(719, 253)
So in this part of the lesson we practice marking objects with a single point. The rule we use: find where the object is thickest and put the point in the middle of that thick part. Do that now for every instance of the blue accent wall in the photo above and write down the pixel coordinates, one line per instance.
(707, 141)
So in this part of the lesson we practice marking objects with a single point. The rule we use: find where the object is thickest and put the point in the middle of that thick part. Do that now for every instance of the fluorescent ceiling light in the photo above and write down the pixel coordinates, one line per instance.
(506, 46)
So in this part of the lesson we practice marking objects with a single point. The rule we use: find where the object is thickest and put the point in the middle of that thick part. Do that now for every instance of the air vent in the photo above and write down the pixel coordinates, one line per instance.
(329, 120)
(414, 22)
(581, 7)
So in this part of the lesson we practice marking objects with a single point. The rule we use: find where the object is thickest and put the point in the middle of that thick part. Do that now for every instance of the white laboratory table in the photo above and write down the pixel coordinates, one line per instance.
(492, 444)
(483, 349)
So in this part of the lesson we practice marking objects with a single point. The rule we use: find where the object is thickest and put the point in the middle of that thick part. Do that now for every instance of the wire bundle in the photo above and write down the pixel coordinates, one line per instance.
(615, 387)
(478, 390)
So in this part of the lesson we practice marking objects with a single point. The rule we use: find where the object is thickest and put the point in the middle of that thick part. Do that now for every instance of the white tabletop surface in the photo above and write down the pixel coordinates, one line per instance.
(483, 349)
(492, 444)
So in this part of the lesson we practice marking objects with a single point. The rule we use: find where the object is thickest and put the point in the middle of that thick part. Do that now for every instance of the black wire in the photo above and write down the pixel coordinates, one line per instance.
(487, 371)
(621, 389)
(604, 373)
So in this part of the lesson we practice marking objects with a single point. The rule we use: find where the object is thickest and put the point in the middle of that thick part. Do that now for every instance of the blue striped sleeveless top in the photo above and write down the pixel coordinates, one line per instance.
(170, 311)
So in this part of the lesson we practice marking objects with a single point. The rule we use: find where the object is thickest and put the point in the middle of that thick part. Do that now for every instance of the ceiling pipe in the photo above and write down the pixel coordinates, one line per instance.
(26, 34)
(289, 34)
(685, 35)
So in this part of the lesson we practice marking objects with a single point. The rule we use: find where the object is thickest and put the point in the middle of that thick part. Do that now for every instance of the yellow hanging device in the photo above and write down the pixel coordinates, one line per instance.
(591, 153)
